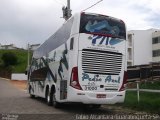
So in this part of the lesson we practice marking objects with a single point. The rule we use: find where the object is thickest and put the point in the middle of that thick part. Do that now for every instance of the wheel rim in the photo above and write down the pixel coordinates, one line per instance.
(48, 97)
(54, 99)
(29, 89)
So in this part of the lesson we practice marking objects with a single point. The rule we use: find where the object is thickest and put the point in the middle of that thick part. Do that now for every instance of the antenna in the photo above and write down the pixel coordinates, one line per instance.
(92, 5)
(67, 11)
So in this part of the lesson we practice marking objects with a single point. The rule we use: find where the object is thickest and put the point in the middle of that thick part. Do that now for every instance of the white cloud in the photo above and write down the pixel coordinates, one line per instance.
(34, 21)
(28, 21)
(123, 9)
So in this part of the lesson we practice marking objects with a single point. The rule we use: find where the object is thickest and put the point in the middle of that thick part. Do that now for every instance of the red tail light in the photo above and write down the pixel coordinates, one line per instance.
(123, 87)
(74, 79)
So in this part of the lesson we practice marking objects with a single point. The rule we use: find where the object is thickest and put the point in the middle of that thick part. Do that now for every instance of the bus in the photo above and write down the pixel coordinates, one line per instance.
(83, 62)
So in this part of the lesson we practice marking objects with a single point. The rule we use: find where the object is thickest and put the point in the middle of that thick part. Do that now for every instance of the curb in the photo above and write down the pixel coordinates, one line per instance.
(4, 79)
(25, 91)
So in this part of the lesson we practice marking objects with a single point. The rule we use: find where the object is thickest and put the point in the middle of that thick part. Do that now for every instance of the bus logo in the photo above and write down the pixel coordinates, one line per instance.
(102, 40)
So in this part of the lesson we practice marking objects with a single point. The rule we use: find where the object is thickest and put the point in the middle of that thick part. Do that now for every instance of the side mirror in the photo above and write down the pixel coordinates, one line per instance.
(26, 72)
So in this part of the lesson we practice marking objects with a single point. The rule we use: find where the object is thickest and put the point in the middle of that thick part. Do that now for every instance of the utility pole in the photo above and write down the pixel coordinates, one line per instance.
(28, 61)
(67, 11)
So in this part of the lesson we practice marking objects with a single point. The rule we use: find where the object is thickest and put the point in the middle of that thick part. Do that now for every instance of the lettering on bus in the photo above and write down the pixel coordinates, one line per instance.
(109, 79)
(99, 40)
(90, 86)
(86, 76)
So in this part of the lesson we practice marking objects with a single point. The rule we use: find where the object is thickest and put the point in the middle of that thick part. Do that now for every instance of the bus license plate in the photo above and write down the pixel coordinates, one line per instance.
(101, 95)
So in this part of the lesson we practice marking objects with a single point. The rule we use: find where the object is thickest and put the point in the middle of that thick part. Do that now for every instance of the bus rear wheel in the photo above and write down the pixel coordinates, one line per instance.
(49, 97)
(55, 103)
(31, 95)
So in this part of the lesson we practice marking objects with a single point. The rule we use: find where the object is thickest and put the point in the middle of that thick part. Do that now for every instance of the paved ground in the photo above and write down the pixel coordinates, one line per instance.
(16, 103)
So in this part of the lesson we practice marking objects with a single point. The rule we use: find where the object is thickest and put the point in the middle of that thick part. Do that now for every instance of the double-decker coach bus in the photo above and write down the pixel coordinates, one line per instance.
(83, 62)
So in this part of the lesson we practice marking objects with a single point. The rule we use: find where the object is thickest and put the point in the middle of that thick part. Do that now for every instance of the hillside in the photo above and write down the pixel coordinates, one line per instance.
(22, 60)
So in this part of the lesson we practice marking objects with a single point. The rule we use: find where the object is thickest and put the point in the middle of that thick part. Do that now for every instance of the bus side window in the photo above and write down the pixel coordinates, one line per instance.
(71, 43)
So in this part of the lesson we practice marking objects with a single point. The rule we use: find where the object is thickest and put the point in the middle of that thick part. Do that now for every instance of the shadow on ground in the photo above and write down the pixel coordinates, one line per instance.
(77, 108)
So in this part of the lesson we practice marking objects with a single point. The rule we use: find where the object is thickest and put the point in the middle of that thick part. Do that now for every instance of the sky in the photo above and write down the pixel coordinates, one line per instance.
(34, 21)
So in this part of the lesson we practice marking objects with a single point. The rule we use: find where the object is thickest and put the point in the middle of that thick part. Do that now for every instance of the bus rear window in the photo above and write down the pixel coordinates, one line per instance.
(102, 25)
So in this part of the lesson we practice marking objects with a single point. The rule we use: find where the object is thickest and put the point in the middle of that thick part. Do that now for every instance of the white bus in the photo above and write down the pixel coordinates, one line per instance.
(83, 62)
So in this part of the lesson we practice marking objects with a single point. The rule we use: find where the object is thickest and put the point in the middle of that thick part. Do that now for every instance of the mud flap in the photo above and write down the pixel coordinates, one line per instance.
(63, 89)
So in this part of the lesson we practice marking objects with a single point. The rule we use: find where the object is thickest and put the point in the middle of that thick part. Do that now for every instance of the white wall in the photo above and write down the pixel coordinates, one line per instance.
(142, 46)
(18, 76)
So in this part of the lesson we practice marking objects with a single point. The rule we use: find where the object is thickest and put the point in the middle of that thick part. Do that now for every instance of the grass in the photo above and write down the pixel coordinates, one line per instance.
(22, 60)
(149, 102)
(150, 85)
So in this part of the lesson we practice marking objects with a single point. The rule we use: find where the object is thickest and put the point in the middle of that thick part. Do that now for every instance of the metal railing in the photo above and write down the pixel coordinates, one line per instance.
(143, 73)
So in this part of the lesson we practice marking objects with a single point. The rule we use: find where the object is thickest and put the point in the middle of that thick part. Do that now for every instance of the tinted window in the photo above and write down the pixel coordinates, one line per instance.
(39, 75)
(156, 53)
(104, 25)
(156, 40)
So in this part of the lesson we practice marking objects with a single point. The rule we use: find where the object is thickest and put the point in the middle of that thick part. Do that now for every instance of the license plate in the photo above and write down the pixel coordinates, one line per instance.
(101, 95)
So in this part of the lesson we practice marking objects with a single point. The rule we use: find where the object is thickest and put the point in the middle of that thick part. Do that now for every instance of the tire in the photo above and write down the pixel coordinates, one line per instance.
(31, 95)
(49, 97)
(54, 101)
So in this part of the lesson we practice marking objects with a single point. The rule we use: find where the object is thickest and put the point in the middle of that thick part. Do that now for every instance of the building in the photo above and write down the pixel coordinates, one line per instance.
(140, 46)
(13, 47)
(156, 46)
(34, 46)
(8, 47)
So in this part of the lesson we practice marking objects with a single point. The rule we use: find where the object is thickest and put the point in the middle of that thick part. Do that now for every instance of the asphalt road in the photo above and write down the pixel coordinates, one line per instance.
(16, 104)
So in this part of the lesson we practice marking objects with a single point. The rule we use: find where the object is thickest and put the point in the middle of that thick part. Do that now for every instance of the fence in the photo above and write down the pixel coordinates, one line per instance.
(143, 73)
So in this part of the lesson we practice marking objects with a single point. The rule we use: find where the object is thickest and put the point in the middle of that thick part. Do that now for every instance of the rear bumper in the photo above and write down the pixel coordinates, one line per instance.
(90, 97)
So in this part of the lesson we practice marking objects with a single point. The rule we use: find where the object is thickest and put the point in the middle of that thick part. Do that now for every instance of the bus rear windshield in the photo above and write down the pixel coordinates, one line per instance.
(102, 25)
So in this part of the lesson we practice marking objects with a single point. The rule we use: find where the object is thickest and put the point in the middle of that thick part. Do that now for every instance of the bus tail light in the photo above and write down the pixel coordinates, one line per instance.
(123, 87)
(74, 79)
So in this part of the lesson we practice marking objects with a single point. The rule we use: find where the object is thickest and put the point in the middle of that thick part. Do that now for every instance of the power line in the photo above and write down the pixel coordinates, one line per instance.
(60, 2)
(92, 5)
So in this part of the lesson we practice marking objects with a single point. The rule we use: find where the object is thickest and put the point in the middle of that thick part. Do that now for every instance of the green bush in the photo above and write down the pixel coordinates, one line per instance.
(9, 59)
(21, 65)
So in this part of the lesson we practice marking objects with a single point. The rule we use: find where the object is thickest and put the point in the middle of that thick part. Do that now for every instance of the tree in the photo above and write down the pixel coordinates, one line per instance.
(9, 58)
